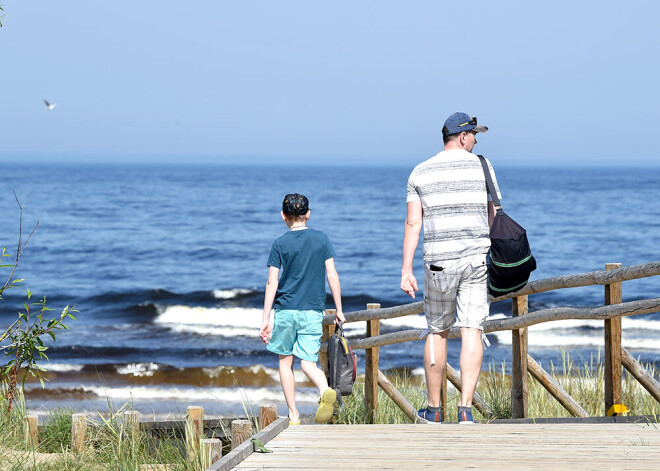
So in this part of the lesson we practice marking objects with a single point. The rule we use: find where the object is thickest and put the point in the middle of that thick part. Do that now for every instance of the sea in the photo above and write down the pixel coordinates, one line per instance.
(166, 266)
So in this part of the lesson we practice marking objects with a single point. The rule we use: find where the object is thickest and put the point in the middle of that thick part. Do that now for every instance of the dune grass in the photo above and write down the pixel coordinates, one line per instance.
(583, 382)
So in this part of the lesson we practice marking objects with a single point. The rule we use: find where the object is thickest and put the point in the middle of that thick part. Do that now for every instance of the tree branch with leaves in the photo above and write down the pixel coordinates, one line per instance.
(24, 338)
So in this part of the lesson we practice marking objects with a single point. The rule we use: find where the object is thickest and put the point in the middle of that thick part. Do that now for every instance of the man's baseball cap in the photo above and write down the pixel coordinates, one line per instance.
(459, 122)
(295, 204)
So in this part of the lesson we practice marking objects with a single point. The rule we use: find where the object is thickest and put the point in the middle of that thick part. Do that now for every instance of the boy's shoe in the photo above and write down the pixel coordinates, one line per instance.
(465, 416)
(326, 406)
(429, 417)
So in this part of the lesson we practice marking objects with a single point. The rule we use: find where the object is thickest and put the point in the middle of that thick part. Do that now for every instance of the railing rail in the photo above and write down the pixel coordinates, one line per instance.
(611, 313)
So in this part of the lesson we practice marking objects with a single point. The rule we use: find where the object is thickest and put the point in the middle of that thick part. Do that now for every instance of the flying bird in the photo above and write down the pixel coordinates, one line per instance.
(49, 106)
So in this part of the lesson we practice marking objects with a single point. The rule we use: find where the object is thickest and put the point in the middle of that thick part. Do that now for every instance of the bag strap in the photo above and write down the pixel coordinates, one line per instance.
(489, 183)
(340, 329)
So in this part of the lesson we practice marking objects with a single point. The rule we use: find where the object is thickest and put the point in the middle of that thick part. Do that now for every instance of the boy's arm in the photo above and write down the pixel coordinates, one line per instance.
(266, 331)
(335, 288)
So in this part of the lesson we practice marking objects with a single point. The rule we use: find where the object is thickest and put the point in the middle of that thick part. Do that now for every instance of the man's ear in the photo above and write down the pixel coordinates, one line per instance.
(309, 212)
(283, 216)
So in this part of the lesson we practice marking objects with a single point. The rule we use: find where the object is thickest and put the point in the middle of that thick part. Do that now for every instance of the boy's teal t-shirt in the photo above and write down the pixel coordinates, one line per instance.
(301, 257)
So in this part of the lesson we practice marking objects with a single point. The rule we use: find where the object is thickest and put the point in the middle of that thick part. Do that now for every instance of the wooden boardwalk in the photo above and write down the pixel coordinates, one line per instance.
(451, 446)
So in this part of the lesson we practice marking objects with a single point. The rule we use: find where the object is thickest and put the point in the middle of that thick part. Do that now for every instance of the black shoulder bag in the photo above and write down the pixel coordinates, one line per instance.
(511, 259)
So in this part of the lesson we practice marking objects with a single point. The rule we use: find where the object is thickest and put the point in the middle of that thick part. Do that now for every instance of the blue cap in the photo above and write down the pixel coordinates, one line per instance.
(459, 122)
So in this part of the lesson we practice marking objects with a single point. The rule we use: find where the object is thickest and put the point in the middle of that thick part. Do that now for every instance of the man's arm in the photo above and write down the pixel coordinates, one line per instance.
(491, 213)
(266, 331)
(410, 242)
(335, 288)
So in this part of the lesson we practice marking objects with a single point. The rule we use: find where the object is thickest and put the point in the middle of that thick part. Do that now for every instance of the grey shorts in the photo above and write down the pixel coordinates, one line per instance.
(458, 292)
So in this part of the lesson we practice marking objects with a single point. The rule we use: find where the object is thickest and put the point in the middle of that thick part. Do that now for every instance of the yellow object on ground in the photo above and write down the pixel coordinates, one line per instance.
(326, 406)
(617, 409)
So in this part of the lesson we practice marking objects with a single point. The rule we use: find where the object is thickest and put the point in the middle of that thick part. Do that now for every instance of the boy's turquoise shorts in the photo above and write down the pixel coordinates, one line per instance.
(297, 333)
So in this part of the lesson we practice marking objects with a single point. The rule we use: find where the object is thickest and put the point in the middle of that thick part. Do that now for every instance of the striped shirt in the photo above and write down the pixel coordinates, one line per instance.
(452, 189)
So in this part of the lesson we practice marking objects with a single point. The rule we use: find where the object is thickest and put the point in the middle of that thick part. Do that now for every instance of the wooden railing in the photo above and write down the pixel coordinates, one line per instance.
(611, 312)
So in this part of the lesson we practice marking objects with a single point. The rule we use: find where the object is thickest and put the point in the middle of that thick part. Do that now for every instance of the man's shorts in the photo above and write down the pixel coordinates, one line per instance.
(458, 290)
(297, 333)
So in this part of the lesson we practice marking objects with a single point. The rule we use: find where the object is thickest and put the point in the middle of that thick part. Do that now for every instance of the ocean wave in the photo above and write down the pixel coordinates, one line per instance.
(61, 367)
(232, 293)
(547, 338)
(221, 321)
(245, 395)
(138, 369)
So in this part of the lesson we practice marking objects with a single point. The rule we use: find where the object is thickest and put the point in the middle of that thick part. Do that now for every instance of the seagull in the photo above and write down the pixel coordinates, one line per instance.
(49, 106)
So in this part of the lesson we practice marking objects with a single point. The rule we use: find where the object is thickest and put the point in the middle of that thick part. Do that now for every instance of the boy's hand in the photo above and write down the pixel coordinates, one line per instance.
(409, 284)
(266, 332)
(339, 317)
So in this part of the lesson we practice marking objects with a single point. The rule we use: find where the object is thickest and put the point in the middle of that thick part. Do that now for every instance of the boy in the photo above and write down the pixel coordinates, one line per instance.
(305, 257)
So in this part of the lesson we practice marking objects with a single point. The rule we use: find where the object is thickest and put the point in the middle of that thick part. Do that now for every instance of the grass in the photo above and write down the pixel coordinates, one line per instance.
(109, 444)
(584, 383)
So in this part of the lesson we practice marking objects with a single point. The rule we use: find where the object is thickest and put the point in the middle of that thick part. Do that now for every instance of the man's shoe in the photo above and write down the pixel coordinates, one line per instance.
(429, 417)
(465, 416)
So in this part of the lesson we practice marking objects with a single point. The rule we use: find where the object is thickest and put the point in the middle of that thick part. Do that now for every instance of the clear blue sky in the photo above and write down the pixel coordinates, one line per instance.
(561, 82)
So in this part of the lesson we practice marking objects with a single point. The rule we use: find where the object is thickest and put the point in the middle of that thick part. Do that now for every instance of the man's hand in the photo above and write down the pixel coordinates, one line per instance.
(339, 317)
(409, 284)
(266, 332)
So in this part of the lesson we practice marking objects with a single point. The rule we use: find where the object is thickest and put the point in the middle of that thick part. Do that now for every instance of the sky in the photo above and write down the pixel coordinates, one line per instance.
(300, 82)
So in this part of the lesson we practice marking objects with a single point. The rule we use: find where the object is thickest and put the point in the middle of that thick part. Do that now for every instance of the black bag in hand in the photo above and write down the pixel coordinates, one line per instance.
(511, 259)
(342, 367)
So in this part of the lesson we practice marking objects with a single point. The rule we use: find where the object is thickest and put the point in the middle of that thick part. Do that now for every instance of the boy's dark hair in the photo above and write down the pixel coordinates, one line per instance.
(295, 204)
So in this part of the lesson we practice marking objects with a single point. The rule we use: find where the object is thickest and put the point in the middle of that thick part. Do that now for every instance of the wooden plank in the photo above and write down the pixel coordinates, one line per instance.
(519, 386)
(600, 277)
(640, 373)
(245, 449)
(398, 398)
(553, 387)
(606, 446)
(630, 308)
(612, 345)
(371, 370)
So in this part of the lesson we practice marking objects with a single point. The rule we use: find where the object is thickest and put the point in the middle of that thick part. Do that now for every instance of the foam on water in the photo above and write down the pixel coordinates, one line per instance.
(138, 369)
(231, 293)
(221, 321)
(61, 367)
(246, 395)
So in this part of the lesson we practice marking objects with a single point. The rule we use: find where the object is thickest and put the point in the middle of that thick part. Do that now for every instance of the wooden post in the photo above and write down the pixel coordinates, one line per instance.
(612, 345)
(477, 401)
(398, 398)
(194, 430)
(211, 451)
(78, 432)
(328, 331)
(640, 373)
(371, 370)
(267, 415)
(519, 387)
(554, 388)
(31, 431)
(241, 430)
(132, 422)
(443, 387)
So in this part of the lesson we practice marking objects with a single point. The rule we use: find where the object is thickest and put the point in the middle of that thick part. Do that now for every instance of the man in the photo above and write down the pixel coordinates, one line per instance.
(447, 196)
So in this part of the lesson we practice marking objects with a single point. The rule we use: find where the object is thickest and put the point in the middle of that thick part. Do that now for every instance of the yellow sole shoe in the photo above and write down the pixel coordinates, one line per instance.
(326, 406)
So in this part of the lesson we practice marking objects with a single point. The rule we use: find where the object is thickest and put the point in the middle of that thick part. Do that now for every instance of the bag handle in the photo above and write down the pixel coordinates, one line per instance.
(490, 186)
(340, 328)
